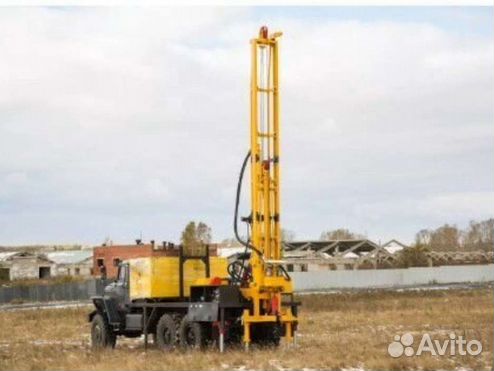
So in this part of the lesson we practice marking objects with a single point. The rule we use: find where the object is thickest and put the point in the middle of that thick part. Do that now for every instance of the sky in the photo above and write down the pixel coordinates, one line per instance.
(117, 122)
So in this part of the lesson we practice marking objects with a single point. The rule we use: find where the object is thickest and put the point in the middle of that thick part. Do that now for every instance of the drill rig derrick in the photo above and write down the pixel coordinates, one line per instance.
(269, 282)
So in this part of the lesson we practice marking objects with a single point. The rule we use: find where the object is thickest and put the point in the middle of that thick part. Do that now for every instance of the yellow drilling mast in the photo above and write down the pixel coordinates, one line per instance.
(270, 286)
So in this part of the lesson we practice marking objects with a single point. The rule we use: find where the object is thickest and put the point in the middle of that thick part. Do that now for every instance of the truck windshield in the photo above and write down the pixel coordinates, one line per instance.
(121, 273)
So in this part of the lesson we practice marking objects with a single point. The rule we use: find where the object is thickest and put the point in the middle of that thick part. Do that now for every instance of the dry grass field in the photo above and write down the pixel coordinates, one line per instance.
(337, 331)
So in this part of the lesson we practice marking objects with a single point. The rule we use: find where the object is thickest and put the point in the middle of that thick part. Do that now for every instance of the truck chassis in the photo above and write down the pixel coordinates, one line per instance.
(211, 315)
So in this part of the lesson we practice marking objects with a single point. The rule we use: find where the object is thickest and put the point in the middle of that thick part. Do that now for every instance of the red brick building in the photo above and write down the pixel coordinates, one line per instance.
(110, 256)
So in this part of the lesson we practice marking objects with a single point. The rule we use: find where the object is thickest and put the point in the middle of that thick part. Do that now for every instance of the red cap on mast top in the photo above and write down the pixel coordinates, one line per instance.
(263, 32)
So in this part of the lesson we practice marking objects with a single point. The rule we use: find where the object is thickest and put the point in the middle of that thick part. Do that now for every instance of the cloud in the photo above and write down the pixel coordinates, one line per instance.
(116, 120)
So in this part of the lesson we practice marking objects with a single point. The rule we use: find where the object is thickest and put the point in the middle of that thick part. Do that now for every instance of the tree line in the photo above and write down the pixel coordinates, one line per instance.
(476, 236)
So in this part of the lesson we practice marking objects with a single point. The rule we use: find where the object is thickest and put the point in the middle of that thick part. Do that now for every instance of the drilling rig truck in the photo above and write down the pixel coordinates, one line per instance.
(197, 299)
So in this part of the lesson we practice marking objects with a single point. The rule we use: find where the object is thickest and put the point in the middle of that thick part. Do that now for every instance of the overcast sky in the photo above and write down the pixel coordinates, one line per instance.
(117, 121)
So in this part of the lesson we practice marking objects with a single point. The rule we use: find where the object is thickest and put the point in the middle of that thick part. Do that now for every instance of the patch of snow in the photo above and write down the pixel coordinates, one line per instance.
(226, 252)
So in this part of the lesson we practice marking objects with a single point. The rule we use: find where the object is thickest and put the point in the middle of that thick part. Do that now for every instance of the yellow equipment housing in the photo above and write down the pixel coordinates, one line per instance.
(158, 277)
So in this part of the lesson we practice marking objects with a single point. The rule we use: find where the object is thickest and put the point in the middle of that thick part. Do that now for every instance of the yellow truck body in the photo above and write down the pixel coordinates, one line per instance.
(158, 277)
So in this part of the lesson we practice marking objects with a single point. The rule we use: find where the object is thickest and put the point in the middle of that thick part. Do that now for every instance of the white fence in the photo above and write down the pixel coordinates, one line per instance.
(370, 278)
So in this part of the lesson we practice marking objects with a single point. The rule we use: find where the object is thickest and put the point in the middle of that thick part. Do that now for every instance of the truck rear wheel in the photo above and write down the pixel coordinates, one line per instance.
(266, 334)
(166, 332)
(191, 334)
(102, 335)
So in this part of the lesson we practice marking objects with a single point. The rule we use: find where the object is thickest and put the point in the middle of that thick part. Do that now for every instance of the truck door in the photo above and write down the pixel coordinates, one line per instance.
(123, 282)
(119, 289)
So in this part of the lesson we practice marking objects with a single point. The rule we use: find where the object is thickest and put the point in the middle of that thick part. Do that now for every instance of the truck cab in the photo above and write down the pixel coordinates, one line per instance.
(119, 288)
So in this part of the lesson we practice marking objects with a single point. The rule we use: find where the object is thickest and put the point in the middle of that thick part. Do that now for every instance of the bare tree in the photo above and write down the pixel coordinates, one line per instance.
(203, 233)
(423, 237)
(445, 238)
(287, 235)
(479, 235)
(194, 237)
(340, 234)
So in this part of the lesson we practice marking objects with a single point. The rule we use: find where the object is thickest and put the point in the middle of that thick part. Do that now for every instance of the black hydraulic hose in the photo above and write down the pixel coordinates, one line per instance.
(236, 269)
(247, 244)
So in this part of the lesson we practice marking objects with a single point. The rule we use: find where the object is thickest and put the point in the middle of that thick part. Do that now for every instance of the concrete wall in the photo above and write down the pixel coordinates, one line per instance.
(323, 280)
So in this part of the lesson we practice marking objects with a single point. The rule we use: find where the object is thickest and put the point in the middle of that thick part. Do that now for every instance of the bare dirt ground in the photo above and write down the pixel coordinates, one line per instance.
(347, 330)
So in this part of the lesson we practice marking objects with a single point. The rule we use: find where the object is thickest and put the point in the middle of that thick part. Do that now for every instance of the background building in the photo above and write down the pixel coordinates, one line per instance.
(72, 262)
(24, 265)
(107, 258)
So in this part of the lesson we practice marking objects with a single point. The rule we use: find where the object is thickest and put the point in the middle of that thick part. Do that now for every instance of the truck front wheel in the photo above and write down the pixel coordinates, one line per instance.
(166, 332)
(191, 334)
(101, 334)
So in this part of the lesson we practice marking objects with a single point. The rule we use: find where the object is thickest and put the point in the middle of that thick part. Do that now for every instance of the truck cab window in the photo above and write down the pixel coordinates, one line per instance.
(122, 273)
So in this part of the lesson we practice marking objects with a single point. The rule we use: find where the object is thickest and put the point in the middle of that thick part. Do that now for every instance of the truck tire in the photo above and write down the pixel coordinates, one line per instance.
(166, 332)
(274, 334)
(266, 334)
(102, 336)
(191, 334)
